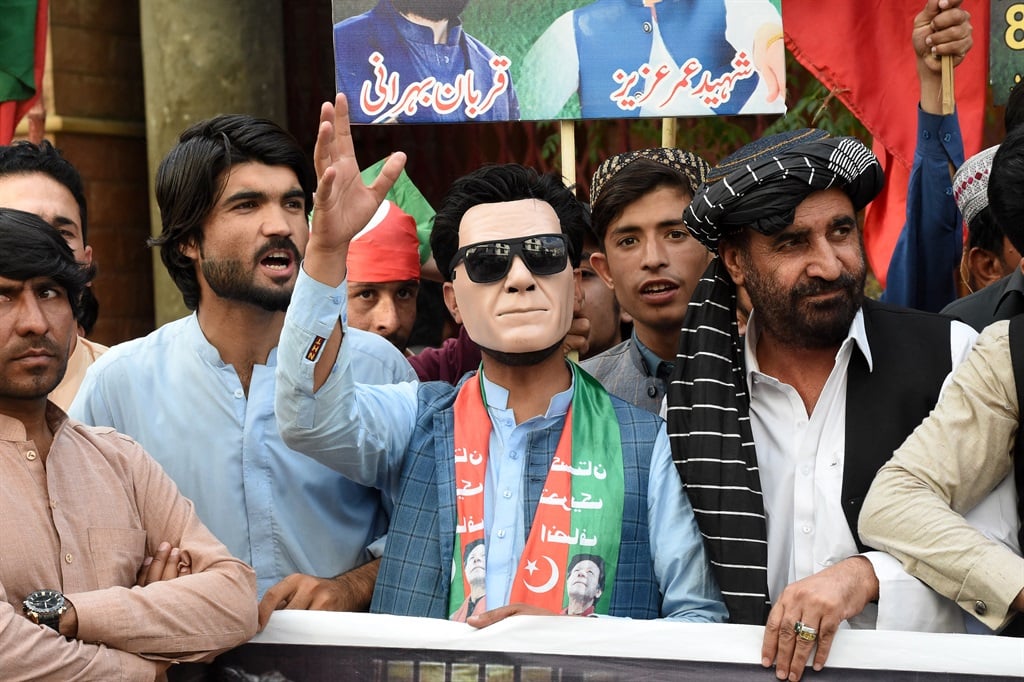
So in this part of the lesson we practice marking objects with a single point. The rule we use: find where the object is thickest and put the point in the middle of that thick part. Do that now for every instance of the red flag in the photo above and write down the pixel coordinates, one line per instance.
(13, 111)
(862, 52)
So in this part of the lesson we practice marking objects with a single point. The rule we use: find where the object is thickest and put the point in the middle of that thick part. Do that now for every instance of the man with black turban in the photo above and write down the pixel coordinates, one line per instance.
(778, 435)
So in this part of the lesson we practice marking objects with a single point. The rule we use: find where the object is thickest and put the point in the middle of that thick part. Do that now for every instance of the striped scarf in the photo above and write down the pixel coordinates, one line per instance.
(713, 447)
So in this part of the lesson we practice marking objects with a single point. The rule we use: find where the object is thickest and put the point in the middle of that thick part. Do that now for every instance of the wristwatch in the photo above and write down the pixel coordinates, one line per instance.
(45, 607)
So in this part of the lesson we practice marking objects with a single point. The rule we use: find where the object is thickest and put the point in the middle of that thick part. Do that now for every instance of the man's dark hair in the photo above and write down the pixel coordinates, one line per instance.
(25, 157)
(639, 178)
(589, 557)
(1014, 114)
(982, 232)
(191, 178)
(495, 184)
(30, 247)
(1005, 198)
(469, 548)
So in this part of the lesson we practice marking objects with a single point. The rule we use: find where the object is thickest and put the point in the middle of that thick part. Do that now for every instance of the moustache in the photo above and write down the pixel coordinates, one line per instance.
(816, 287)
(279, 244)
(35, 343)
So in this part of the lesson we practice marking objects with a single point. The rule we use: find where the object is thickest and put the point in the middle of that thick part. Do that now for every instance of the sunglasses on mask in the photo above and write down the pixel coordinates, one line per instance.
(543, 254)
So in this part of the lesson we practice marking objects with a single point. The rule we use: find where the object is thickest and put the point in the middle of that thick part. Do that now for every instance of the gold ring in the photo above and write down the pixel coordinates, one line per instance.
(805, 632)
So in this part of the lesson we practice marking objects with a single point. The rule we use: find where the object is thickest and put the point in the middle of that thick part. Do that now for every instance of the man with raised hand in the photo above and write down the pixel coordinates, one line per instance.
(530, 454)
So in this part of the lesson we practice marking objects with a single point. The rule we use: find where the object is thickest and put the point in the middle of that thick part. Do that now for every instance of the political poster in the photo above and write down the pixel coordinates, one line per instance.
(437, 61)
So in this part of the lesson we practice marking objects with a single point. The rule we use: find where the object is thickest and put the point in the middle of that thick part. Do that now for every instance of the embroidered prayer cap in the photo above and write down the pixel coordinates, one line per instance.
(970, 184)
(761, 184)
(387, 249)
(689, 164)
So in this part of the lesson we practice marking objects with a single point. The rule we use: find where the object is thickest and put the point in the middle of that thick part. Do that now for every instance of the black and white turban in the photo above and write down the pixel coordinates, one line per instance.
(759, 186)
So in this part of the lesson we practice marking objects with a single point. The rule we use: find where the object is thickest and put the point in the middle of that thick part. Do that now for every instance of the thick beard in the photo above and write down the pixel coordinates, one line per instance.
(432, 10)
(534, 357)
(786, 315)
(233, 280)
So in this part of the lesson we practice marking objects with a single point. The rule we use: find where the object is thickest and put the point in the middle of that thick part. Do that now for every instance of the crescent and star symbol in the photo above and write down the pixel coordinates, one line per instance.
(531, 567)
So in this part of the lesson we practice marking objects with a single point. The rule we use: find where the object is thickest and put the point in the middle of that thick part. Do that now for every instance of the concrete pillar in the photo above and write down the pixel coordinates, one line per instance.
(202, 58)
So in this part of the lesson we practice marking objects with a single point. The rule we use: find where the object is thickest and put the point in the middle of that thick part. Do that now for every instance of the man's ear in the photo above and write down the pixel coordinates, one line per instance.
(985, 267)
(189, 249)
(578, 296)
(732, 258)
(599, 262)
(448, 291)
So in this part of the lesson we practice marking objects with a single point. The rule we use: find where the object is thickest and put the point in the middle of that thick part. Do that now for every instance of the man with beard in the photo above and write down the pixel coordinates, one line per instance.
(441, 73)
(82, 507)
(777, 435)
(530, 454)
(198, 393)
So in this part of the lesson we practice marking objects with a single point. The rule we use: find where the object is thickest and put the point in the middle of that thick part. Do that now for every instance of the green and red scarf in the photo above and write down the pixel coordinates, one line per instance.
(580, 509)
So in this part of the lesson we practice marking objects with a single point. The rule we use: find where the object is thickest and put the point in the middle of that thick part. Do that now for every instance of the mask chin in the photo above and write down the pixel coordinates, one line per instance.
(527, 359)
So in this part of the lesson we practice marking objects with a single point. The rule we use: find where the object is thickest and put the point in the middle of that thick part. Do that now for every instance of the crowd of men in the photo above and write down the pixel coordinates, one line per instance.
(729, 457)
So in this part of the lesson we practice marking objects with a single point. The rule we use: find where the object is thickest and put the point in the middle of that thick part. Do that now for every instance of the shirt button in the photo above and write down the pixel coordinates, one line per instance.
(652, 391)
(927, 135)
(239, 393)
(947, 137)
(30, 455)
(806, 470)
(980, 608)
(53, 504)
(648, 27)
(501, 533)
(513, 455)
(68, 558)
(507, 494)
(806, 530)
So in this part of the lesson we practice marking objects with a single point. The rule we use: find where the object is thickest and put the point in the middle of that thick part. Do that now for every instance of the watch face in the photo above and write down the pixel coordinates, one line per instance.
(46, 600)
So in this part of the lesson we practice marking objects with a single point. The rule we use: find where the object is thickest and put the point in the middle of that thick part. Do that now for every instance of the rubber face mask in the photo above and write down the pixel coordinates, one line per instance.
(522, 311)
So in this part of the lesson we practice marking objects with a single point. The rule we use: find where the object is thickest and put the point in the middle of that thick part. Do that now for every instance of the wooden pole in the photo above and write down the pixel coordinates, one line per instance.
(948, 99)
(668, 132)
(567, 135)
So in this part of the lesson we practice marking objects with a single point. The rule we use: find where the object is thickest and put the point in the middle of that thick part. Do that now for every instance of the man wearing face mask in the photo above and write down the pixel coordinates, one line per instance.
(422, 44)
(595, 471)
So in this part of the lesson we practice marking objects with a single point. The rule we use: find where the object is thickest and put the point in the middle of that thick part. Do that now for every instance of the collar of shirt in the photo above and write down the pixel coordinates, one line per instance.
(13, 430)
(414, 33)
(497, 398)
(208, 352)
(653, 365)
(857, 336)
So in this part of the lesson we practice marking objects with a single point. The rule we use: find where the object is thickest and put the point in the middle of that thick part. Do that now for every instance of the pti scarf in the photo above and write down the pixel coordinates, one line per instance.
(580, 508)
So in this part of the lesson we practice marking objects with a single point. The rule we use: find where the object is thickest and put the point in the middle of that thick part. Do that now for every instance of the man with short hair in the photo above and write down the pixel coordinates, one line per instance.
(38, 179)
(82, 508)
(777, 435)
(531, 454)
(198, 392)
(649, 260)
(584, 583)
(384, 276)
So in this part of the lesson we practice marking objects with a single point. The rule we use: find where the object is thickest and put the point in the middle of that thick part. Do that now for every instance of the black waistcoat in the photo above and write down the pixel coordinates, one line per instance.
(911, 357)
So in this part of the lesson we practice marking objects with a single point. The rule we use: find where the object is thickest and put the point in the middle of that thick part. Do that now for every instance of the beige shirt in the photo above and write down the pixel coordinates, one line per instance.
(953, 460)
(83, 524)
(85, 353)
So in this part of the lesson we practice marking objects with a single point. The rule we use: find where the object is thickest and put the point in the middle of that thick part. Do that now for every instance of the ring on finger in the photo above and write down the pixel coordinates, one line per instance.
(805, 632)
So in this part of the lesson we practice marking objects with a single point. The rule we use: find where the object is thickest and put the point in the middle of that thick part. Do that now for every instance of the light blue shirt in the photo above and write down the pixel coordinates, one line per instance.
(275, 509)
(364, 432)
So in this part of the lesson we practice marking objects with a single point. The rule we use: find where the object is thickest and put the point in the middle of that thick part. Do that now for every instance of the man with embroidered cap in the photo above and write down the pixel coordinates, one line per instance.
(991, 267)
(530, 454)
(777, 435)
(384, 276)
(649, 260)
